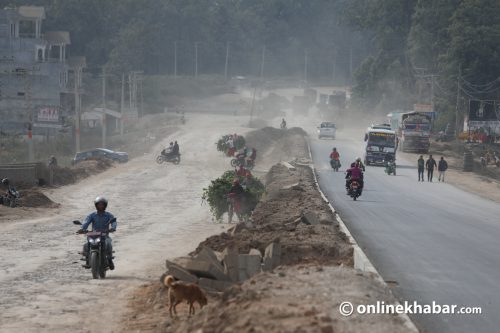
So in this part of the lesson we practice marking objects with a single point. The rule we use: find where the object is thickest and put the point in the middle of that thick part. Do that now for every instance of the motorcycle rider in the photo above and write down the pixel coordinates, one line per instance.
(334, 156)
(283, 123)
(354, 173)
(175, 149)
(102, 221)
(360, 164)
(168, 150)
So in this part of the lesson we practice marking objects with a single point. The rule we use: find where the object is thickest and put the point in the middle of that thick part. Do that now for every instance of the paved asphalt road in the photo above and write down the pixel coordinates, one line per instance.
(437, 242)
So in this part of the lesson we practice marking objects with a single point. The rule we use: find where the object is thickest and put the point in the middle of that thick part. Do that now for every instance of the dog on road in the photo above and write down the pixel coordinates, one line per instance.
(179, 291)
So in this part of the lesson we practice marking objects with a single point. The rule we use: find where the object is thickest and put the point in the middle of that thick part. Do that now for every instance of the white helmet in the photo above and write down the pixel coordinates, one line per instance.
(99, 200)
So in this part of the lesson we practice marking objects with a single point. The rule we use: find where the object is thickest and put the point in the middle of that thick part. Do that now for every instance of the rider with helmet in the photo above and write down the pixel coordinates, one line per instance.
(354, 173)
(360, 164)
(102, 221)
(168, 151)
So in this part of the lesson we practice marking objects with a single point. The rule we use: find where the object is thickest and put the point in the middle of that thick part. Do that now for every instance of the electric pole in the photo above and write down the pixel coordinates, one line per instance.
(196, 59)
(350, 65)
(262, 62)
(305, 65)
(334, 70)
(175, 60)
(122, 104)
(458, 99)
(29, 112)
(103, 107)
(76, 71)
(227, 61)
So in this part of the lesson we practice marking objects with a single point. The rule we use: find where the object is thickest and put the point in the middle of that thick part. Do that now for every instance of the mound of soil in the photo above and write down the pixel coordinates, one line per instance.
(275, 145)
(290, 195)
(293, 299)
(65, 176)
(35, 199)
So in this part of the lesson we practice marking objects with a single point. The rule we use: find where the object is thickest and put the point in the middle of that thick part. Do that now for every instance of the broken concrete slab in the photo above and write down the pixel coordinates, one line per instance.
(272, 256)
(238, 228)
(202, 268)
(249, 265)
(180, 273)
(310, 218)
(207, 254)
(211, 284)
(230, 260)
(288, 166)
(255, 252)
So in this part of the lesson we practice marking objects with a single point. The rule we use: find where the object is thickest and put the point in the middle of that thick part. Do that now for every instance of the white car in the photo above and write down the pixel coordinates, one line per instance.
(327, 130)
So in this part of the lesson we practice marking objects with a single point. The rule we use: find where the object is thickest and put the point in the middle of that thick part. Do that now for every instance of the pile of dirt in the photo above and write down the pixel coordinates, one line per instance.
(294, 299)
(275, 145)
(34, 198)
(84, 169)
(291, 195)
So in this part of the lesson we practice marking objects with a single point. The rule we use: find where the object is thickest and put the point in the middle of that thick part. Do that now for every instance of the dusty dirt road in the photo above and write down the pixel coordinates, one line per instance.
(43, 287)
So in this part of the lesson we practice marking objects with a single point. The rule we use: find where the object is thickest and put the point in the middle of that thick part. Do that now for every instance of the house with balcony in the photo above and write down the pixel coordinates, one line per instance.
(33, 72)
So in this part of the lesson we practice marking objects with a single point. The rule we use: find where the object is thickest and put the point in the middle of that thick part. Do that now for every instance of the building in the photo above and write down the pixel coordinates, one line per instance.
(33, 73)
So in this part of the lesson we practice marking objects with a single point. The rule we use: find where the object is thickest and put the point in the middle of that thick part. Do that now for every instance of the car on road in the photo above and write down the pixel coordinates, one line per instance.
(92, 154)
(327, 130)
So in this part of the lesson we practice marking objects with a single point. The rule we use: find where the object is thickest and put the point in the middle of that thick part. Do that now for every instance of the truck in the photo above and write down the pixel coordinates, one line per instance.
(413, 130)
(380, 146)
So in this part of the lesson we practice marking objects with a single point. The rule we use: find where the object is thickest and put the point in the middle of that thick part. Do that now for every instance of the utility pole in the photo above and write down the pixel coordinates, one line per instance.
(122, 104)
(175, 60)
(305, 65)
(350, 65)
(432, 91)
(459, 87)
(196, 59)
(227, 61)
(29, 112)
(262, 62)
(334, 70)
(103, 107)
(142, 96)
(76, 71)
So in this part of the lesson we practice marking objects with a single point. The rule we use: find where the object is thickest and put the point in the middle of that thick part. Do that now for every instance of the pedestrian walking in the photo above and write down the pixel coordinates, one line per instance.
(442, 167)
(421, 168)
(430, 165)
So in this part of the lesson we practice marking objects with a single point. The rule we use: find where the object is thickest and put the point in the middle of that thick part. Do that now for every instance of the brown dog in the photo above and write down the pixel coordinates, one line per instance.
(179, 291)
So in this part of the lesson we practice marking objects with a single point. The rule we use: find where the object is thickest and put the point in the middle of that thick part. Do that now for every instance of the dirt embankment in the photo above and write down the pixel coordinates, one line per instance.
(304, 293)
(291, 195)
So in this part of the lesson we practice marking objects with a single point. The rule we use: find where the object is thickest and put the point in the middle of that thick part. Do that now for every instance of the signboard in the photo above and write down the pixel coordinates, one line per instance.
(48, 114)
(47, 125)
(482, 111)
(422, 107)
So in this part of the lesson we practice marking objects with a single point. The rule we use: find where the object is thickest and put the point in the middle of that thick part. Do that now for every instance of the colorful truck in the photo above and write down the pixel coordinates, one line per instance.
(413, 130)
(380, 146)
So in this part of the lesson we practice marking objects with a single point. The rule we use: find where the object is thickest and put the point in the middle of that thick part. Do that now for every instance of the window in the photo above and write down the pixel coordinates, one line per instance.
(21, 94)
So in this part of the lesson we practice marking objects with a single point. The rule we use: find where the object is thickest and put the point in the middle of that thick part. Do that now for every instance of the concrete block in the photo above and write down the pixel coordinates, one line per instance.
(230, 258)
(272, 256)
(202, 268)
(310, 218)
(288, 166)
(180, 273)
(211, 284)
(255, 252)
(207, 254)
(249, 265)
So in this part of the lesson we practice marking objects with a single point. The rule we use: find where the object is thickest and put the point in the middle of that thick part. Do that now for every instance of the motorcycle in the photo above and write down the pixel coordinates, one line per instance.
(335, 164)
(247, 163)
(11, 198)
(97, 256)
(175, 159)
(390, 168)
(354, 190)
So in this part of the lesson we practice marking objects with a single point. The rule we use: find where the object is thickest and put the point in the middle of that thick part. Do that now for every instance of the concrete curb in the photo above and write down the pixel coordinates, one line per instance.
(361, 261)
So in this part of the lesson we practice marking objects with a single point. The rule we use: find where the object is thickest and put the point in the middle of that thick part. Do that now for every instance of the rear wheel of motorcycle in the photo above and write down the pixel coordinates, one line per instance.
(177, 160)
(159, 159)
(94, 265)
(234, 162)
(12, 203)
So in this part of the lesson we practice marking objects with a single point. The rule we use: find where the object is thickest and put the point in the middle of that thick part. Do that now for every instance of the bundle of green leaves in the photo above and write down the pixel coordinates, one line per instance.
(223, 146)
(216, 193)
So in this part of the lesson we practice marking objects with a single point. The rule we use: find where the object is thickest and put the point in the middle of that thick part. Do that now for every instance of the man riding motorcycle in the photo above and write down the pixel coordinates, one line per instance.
(334, 156)
(354, 173)
(360, 164)
(168, 150)
(100, 220)
(175, 149)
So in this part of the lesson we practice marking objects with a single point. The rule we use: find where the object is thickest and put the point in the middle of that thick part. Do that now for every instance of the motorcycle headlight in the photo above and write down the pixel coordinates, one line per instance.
(94, 241)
